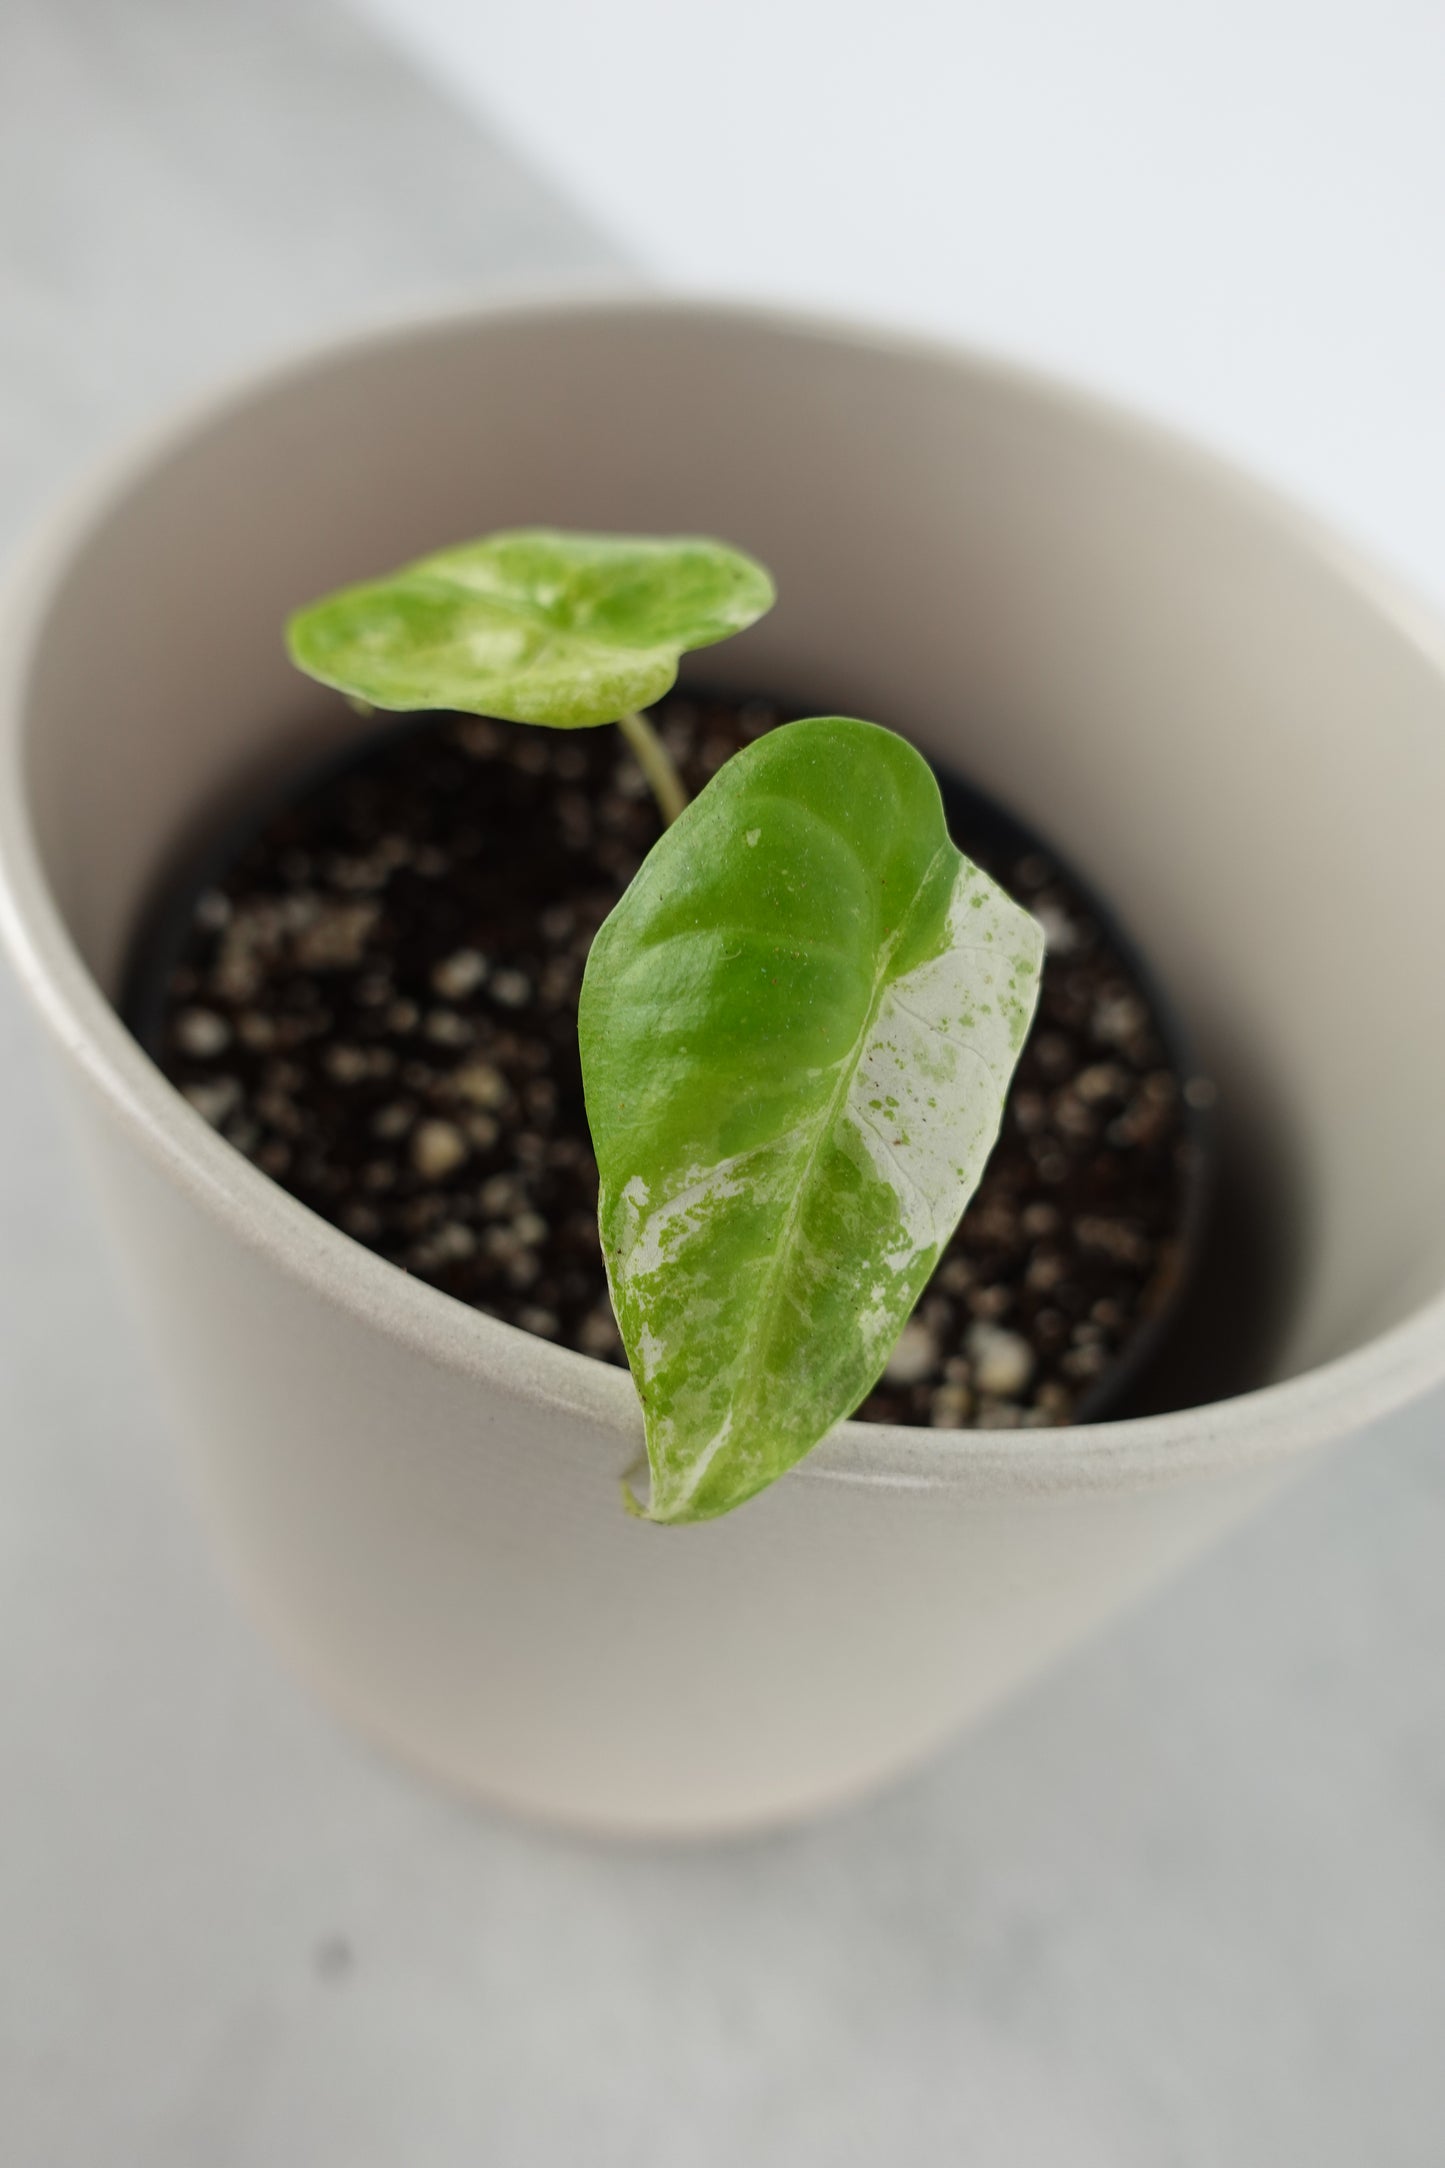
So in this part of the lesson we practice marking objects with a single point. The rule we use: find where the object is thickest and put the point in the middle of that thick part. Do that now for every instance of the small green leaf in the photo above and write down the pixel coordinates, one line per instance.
(797, 1028)
(534, 625)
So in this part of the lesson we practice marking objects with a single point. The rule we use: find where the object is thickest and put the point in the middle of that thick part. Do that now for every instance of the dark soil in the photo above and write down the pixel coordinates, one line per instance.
(376, 1002)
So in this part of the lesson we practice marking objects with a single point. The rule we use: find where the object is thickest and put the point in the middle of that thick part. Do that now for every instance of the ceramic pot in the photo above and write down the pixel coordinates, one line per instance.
(1232, 725)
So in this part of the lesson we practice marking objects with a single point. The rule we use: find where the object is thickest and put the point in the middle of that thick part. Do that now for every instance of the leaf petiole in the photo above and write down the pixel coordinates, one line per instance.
(656, 764)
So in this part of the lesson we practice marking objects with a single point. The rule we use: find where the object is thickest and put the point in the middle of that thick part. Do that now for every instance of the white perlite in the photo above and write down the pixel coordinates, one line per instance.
(437, 1148)
(914, 1355)
(480, 1082)
(201, 1033)
(459, 974)
(1002, 1361)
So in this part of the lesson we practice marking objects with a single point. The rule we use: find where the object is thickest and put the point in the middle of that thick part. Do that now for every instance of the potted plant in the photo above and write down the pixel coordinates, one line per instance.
(1123, 640)
(373, 991)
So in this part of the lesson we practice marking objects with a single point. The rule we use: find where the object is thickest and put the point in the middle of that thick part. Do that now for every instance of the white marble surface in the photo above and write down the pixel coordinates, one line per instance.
(1183, 1904)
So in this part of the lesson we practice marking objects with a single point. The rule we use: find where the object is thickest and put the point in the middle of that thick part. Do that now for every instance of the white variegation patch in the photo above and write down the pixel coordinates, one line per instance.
(656, 1230)
(927, 1095)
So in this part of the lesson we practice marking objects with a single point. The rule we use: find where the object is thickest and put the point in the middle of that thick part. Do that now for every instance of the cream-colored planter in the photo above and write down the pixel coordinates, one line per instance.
(1236, 730)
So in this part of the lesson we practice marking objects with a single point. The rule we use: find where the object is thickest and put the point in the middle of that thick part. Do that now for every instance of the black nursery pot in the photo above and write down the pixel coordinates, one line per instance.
(370, 989)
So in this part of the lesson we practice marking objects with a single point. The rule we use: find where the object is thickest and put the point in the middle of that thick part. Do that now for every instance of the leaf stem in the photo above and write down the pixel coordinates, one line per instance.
(656, 764)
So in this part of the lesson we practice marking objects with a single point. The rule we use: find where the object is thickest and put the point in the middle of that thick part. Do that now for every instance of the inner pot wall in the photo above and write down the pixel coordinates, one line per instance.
(1210, 708)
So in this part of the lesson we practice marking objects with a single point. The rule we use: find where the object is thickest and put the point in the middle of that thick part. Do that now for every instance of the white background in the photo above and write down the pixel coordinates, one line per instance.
(1230, 211)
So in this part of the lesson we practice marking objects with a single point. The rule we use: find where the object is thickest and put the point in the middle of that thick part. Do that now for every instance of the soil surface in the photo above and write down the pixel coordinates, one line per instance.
(376, 1002)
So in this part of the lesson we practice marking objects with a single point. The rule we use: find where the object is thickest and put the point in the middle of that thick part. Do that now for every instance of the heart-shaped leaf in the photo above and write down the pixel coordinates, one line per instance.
(534, 625)
(797, 1028)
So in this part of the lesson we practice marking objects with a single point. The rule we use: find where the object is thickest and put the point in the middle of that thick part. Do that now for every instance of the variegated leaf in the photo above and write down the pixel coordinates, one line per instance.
(798, 1028)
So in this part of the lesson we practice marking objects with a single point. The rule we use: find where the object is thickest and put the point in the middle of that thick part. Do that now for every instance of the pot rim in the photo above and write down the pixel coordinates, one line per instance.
(1270, 1422)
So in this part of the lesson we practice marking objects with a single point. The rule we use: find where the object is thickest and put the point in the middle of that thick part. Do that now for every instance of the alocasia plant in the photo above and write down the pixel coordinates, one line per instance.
(798, 1025)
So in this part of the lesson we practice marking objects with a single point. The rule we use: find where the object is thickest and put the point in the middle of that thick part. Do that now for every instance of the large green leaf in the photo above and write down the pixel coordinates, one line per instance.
(797, 1028)
(534, 625)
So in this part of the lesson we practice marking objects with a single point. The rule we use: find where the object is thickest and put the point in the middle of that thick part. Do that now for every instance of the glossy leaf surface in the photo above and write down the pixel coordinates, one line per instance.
(797, 1028)
(535, 625)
